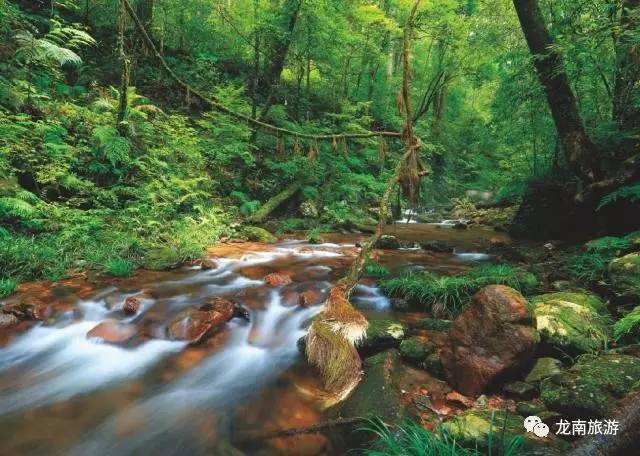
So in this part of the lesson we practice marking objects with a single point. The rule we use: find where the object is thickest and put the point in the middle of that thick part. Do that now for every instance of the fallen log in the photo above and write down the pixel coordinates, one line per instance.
(272, 204)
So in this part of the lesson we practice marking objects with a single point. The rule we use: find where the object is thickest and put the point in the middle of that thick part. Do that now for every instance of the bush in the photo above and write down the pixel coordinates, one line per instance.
(119, 267)
(411, 439)
(628, 328)
(449, 294)
(7, 287)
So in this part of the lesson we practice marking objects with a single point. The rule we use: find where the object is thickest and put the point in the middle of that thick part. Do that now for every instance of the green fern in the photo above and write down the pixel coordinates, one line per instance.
(114, 147)
(629, 192)
(16, 208)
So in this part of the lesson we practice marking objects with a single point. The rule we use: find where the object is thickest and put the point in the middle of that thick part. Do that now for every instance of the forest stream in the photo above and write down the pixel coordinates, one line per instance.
(63, 391)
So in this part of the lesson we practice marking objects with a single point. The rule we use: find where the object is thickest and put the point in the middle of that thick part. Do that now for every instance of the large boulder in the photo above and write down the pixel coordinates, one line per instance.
(112, 332)
(255, 233)
(591, 387)
(574, 321)
(624, 273)
(492, 338)
(386, 242)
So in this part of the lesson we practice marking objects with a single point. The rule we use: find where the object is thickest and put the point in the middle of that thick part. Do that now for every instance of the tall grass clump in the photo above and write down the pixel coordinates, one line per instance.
(411, 439)
(628, 328)
(447, 295)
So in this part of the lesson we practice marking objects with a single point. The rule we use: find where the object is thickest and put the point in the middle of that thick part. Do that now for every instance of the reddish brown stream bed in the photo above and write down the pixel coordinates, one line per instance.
(62, 393)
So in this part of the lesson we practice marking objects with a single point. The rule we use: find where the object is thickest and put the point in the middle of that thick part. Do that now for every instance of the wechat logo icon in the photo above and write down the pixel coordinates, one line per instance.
(534, 424)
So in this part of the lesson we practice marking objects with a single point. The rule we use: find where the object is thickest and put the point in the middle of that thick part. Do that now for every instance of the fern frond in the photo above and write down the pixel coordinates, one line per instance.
(16, 208)
(629, 192)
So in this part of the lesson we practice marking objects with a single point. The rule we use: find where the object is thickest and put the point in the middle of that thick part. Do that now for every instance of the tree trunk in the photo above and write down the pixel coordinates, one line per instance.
(279, 53)
(144, 10)
(124, 71)
(626, 97)
(580, 152)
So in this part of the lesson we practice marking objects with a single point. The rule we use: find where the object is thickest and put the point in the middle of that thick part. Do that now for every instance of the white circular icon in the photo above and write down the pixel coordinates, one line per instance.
(530, 422)
(541, 430)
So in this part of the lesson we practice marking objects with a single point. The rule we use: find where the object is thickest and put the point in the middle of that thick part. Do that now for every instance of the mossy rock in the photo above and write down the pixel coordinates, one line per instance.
(574, 321)
(624, 274)
(162, 258)
(383, 333)
(543, 368)
(472, 429)
(433, 364)
(257, 234)
(433, 324)
(592, 386)
(414, 349)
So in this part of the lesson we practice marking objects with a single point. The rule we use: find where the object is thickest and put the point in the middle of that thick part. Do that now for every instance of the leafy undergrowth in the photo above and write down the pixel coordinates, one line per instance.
(590, 265)
(628, 328)
(374, 269)
(411, 439)
(447, 295)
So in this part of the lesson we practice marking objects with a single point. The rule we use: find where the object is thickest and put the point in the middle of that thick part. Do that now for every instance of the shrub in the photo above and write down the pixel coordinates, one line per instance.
(449, 294)
(7, 287)
(119, 267)
(628, 328)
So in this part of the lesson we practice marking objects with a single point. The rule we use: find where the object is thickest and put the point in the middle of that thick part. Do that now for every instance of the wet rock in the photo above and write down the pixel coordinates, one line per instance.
(433, 364)
(544, 368)
(590, 388)
(437, 246)
(29, 308)
(7, 320)
(112, 332)
(521, 390)
(377, 394)
(387, 242)
(309, 298)
(207, 264)
(530, 408)
(194, 325)
(276, 279)
(433, 324)
(573, 321)
(492, 338)
(399, 304)
(624, 274)
(131, 305)
(413, 349)
(257, 234)
(383, 334)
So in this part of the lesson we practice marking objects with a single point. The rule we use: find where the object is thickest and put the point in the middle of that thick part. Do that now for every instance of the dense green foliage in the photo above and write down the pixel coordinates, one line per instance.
(628, 328)
(411, 439)
(447, 295)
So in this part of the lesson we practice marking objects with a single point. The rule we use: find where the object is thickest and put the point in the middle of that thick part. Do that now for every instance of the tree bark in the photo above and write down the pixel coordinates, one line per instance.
(580, 152)
(124, 70)
(626, 96)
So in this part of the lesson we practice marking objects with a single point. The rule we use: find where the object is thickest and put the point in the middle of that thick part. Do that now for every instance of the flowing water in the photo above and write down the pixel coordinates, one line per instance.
(64, 393)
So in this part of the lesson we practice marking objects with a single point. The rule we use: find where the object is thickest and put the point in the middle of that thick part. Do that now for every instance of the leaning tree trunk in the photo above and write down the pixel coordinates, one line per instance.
(580, 152)
(124, 71)
(626, 96)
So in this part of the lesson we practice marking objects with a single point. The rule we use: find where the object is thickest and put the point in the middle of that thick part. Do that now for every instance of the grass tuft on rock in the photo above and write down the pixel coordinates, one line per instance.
(119, 267)
(374, 269)
(7, 287)
(447, 295)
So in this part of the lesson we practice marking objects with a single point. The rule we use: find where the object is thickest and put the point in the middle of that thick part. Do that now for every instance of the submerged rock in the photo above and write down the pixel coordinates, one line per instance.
(492, 338)
(28, 308)
(415, 349)
(383, 334)
(387, 242)
(573, 321)
(112, 332)
(624, 273)
(309, 298)
(591, 387)
(276, 279)
(544, 368)
(207, 264)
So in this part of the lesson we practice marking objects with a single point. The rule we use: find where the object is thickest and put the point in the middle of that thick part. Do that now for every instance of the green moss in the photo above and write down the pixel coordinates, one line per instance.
(383, 333)
(449, 295)
(591, 387)
(257, 234)
(162, 258)
(573, 321)
(624, 274)
(628, 328)
(413, 349)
